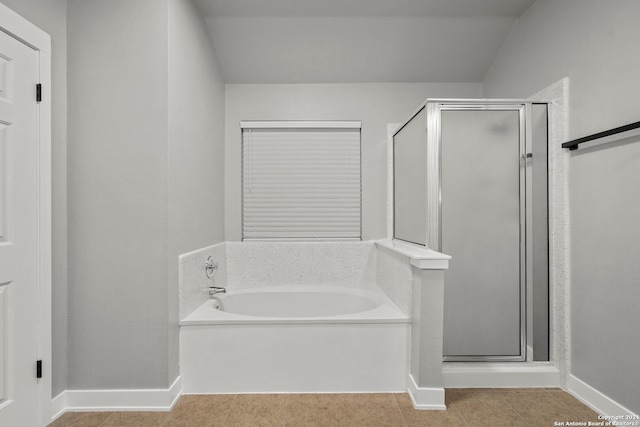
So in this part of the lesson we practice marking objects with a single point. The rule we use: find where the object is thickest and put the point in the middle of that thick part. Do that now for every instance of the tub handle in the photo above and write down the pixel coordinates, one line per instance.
(209, 266)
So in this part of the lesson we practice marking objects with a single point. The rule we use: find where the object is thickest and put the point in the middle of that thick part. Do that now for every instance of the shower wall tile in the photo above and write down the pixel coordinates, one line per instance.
(192, 279)
(255, 264)
(394, 277)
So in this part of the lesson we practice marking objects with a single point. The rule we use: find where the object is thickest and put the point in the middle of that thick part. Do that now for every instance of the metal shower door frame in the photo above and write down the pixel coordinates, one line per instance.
(434, 198)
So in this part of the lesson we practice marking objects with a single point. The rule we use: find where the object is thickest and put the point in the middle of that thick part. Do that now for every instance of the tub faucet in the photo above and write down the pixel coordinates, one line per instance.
(213, 290)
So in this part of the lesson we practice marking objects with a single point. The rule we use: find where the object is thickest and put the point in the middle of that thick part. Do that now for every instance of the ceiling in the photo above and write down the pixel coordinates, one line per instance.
(357, 41)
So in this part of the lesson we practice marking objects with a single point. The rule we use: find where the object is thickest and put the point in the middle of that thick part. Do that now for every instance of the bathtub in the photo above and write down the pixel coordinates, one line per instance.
(297, 304)
(295, 339)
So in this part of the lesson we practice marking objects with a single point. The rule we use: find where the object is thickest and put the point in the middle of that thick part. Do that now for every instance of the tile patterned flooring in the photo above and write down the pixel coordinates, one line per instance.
(465, 407)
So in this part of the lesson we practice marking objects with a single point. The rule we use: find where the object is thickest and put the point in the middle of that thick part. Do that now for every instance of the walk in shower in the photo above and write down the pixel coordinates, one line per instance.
(470, 180)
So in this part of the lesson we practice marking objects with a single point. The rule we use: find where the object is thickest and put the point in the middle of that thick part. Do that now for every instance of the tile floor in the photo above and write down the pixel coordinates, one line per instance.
(465, 407)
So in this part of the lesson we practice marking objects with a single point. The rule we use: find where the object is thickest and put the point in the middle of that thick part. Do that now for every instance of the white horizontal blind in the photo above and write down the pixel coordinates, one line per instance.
(301, 183)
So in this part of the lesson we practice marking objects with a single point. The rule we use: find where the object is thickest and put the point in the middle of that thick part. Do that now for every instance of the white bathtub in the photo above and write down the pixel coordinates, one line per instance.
(295, 339)
(297, 304)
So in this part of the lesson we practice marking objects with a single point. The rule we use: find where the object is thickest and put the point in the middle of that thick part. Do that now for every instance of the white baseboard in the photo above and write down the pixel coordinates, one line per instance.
(116, 400)
(425, 398)
(58, 405)
(497, 375)
(593, 398)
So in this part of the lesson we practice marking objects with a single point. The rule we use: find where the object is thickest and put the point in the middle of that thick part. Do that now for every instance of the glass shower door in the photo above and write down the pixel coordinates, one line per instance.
(482, 228)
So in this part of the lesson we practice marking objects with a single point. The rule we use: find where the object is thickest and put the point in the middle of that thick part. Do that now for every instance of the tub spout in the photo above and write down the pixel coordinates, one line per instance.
(213, 290)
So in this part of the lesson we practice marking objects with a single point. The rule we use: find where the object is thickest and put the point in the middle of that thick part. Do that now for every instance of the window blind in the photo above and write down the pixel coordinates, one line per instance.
(302, 182)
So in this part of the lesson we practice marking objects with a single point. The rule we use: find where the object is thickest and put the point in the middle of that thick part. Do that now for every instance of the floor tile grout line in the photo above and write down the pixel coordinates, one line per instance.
(464, 420)
(233, 402)
(565, 405)
(106, 419)
(572, 411)
(404, 419)
(525, 420)
(498, 395)
(452, 406)
(518, 414)
(284, 410)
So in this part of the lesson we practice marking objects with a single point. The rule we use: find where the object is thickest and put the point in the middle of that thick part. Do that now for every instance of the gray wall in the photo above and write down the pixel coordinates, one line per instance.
(146, 171)
(117, 190)
(196, 149)
(595, 44)
(51, 16)
(375, 104)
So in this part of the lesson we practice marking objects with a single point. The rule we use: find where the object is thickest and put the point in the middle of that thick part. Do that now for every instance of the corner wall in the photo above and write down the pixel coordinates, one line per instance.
(146, 170)
(594, 43)
(117, 189)
(196, 149)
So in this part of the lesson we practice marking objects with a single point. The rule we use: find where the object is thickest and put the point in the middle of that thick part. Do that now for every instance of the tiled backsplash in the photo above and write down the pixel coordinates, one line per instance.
(253, 264)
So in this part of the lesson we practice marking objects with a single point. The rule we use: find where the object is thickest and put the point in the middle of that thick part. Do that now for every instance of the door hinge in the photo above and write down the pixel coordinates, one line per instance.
(39, 92)
(39, 369)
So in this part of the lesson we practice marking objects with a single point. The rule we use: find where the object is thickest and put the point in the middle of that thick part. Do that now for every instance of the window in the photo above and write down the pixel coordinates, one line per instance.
(301, 180)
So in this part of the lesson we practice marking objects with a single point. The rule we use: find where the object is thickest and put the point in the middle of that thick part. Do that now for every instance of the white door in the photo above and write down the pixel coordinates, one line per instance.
(19, 404)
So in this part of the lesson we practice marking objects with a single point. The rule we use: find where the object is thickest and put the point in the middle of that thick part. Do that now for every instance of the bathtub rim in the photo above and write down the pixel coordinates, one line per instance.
(385, 312)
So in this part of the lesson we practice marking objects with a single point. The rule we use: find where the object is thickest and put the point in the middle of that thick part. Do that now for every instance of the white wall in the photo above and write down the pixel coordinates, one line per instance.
(196, 149)
(595, 44)
(375, 104)
(117, 189)
(51, 16)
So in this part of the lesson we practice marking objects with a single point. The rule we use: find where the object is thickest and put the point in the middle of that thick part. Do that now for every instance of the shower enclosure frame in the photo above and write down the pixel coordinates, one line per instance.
(433, 208)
